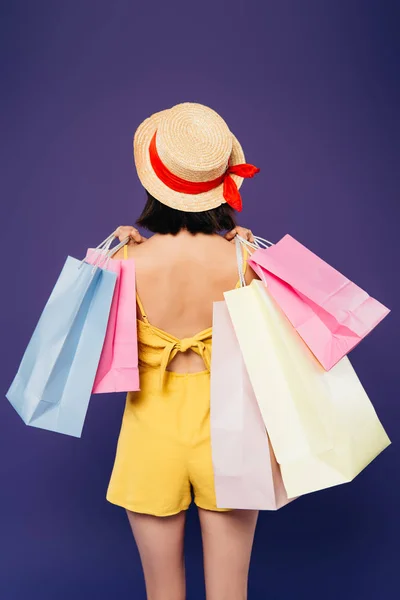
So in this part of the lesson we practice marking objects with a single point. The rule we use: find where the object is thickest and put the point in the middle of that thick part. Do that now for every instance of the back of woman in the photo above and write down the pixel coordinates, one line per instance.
(178, 278)
(191, 167)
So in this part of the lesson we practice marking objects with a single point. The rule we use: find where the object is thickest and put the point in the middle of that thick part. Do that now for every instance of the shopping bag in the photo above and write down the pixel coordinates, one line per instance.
(246, 473)
(331, 313)
(322, 425)
(52, 387)
(118, 366)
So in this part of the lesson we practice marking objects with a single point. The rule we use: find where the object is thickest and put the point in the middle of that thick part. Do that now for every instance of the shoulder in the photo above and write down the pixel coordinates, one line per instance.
(118, 255)
(130, 250)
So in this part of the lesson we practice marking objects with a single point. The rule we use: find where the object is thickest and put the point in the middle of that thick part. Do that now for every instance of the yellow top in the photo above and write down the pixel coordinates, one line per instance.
(156, 347)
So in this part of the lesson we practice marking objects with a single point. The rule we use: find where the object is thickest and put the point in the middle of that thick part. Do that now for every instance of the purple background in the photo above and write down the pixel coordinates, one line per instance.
(311, 89)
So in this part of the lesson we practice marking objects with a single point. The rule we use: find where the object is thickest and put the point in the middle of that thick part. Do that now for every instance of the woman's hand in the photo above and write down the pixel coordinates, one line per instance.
(124, 231)
(242, 231)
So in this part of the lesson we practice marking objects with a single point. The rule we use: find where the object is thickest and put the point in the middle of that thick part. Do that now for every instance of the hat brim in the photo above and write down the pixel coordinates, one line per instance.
(173, 199)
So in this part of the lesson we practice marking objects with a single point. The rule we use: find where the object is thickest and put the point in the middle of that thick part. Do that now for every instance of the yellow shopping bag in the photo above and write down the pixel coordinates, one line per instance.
(322, 425)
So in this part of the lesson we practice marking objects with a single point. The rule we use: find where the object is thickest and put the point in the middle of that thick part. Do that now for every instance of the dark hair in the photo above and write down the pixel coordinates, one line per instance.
(159, 218)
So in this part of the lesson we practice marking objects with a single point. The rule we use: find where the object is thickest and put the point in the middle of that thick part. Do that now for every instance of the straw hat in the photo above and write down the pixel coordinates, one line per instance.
(188, 159)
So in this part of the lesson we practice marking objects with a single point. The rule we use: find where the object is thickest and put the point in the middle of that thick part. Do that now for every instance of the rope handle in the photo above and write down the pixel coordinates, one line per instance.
(239, 261)
(263, 242)
(258, 243)
(104, 253)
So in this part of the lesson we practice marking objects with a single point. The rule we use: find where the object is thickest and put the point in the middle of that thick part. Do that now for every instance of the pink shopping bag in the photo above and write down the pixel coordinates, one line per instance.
(118, 366)
(330, 313)
(246, 473)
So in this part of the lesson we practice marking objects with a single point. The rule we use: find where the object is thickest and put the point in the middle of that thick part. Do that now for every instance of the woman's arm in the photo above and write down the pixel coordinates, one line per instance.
(124, 231)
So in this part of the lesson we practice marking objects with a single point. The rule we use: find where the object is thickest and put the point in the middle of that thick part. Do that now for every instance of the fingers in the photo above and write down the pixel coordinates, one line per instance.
(230, 235)
(135, 236)
(124, 231)
(247, 234)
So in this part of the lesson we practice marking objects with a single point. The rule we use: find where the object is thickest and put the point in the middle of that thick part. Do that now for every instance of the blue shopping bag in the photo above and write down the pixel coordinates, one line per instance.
(53, 385)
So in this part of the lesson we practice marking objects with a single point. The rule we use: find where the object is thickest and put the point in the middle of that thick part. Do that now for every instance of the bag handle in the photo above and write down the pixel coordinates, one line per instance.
(106, 243)
(239, 261)
(262, 242)
(258, 243)
(110, 253)
(104, 253)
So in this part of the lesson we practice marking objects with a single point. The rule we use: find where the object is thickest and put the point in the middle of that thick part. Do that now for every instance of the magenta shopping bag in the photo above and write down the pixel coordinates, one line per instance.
(330, 313)
(118, 366)
(246, 473)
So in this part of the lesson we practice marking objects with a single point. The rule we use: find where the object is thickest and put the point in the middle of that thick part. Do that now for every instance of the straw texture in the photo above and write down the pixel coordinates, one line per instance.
(194, 143)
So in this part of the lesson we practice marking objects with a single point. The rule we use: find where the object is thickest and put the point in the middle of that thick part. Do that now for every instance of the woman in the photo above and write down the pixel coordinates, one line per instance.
(191, 167)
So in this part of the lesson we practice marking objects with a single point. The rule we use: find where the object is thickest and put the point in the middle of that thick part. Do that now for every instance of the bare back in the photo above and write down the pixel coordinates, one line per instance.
(178, 279)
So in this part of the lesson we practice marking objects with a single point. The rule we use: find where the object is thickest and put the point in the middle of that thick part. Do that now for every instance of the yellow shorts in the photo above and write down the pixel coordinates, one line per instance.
(164, 447)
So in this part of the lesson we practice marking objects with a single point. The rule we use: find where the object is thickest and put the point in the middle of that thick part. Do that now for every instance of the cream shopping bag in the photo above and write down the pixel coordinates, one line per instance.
(322, 425)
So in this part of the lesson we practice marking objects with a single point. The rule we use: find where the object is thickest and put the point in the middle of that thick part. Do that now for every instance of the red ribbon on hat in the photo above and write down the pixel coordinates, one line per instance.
(230, 190)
